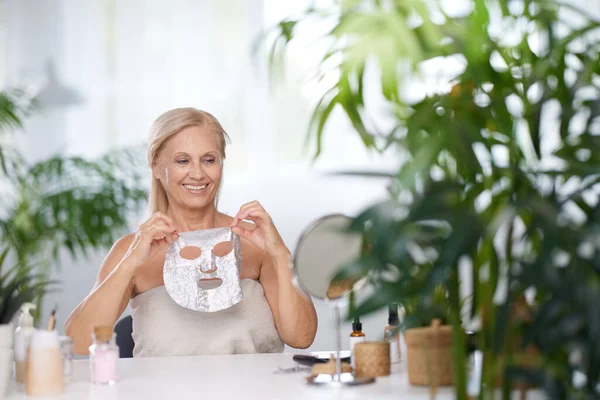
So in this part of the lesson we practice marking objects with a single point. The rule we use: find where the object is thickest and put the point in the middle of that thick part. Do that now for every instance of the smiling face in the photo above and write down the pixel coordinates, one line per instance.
(189, 167)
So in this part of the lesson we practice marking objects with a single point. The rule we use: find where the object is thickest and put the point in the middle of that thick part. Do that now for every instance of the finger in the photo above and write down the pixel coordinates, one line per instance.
(251, 209)
(167, 220)
(243, 209)
(256, 215)
(158, 216)
(242, 214)
(165, 225)
(242, 232)
(158, 226)
(160, 230)
(252, 204)
(158, 245)
(152, 220)
(236, 219)
(163, 242)
(171, 237)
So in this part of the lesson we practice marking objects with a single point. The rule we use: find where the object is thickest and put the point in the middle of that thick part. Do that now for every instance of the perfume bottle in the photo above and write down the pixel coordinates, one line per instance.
(391, 334)
(66, 348)
(357, 336)
(104, 356)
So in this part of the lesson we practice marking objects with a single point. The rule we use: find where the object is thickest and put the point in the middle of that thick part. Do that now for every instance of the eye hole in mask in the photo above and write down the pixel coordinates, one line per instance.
(190, 252)
(222, 249)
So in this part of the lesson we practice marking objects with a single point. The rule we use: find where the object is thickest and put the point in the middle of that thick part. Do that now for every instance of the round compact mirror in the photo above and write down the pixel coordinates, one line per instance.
(323, 249)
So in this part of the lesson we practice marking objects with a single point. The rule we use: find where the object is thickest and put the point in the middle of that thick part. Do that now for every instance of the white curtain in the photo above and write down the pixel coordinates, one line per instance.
(125, 62)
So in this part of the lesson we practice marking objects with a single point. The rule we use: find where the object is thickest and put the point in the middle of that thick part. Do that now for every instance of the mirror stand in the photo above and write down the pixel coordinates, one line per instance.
(339, 379)
(322, 248)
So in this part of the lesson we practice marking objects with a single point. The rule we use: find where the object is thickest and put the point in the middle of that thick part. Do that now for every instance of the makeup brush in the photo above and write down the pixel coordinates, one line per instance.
(52, 320)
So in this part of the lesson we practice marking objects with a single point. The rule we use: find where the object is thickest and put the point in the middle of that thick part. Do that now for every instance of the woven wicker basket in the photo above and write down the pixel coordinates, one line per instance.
(372, 359)
(429, 355)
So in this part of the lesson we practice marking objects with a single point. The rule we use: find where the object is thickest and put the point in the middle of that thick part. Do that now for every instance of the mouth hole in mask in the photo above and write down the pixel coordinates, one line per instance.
(222, 249)
(209, 283)
(190, 252)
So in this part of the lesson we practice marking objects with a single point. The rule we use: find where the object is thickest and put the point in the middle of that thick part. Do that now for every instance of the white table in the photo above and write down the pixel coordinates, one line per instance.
(226, 377)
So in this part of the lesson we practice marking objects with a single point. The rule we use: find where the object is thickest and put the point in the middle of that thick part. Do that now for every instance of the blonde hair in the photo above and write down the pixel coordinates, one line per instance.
(164, 127)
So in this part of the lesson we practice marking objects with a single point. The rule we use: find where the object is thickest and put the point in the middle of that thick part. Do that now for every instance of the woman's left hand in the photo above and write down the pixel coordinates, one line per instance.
(265, 235)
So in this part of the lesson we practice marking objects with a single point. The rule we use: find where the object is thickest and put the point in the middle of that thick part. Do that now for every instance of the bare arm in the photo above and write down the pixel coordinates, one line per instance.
(294, 313)
(106, 301)
(114, 286)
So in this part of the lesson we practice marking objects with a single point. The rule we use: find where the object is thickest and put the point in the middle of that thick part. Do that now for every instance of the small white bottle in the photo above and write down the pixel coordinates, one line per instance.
(45, 376)
(23, 334)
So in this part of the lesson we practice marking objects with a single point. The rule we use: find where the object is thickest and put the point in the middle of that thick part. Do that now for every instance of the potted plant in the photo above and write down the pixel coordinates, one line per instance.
(428, 339)
(18, 285)
(499, 175)
(63, 202)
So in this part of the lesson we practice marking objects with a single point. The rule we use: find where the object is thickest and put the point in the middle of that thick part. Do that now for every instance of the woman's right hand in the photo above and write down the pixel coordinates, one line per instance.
(152, 236)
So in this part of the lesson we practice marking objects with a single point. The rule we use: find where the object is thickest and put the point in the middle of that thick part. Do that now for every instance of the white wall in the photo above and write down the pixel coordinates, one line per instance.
(129, 61)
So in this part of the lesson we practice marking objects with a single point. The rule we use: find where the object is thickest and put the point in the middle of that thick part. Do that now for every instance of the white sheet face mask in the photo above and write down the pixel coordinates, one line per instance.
(208, 282)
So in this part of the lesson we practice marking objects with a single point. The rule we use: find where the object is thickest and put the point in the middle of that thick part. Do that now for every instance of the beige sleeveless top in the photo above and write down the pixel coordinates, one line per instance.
(161, 327)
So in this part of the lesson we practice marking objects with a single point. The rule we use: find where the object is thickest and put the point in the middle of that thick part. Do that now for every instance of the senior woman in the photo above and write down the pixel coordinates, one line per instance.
(186, 153)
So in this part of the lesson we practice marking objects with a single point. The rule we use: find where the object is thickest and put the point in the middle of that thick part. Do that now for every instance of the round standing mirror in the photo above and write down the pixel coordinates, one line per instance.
(323, 249)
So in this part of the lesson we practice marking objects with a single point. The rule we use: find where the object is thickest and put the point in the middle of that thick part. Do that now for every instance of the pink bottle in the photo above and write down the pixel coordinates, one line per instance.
(104, 356)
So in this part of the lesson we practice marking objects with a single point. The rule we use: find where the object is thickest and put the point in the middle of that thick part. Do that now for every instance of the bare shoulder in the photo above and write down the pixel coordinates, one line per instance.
(115, 255)
(124, 242)
(121, 246)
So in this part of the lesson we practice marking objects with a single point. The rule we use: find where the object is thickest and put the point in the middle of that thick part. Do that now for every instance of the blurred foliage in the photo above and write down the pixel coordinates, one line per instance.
(419, 311)
(500, 172)
(18, 285)
(59, 204)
